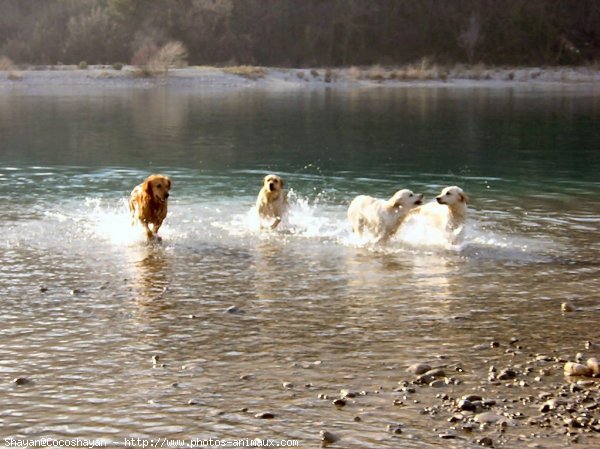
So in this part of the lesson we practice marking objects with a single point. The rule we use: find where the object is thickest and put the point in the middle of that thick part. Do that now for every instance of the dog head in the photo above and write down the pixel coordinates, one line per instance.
(157, 187)
(406, 199)
(273, 183)
(452, 195)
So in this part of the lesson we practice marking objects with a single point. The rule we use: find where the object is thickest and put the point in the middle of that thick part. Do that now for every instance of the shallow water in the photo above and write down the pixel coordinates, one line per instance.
(86, 303)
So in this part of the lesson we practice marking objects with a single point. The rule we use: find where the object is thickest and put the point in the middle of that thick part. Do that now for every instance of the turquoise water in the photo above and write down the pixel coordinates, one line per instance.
(86, 303)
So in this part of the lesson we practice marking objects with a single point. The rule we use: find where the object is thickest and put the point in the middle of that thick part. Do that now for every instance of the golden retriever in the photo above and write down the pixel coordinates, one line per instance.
(271, 203)
(148, 203)
(381, 218)
(447, 213)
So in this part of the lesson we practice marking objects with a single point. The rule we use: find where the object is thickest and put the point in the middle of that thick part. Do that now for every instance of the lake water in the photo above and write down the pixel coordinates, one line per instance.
(86, 304)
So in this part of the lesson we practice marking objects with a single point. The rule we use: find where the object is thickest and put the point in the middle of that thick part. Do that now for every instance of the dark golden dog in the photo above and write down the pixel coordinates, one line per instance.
(148, 203)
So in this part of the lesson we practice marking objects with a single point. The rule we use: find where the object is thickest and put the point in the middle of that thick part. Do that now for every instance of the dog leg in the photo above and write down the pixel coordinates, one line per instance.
(275, 222)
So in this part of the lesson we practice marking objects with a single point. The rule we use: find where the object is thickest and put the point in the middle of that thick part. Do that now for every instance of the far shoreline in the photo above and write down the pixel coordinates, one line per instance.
(204, 77)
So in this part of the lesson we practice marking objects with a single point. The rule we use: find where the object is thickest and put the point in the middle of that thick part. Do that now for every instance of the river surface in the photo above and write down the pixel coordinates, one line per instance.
(120, 339)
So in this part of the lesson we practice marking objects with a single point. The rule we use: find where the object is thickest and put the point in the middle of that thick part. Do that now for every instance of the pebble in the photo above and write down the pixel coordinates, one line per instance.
(577, 369)
(552, 404)
(339, 402)
(456, 418)
(439, 383)
(232, 309)
(438, 372)
(507, 374)
(490, 418)
(264, 415)
(485, 441)
(328, 437)
(468, 406)
(567, 306)
(395, 429)
(22, 381)
(447, 435)
(348, 394)
(43, 289)
(593, 364)
(288, 385)
(418, 368)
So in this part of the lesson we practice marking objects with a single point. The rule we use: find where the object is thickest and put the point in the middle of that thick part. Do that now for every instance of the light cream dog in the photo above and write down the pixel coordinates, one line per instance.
(447, 213)
(271, 203)
(381, 218)
(148, 203)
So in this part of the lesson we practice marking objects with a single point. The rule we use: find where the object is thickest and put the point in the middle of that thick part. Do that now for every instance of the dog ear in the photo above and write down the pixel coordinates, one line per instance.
(147, 188)
(168, 183)
(281, 182)
(463, 197)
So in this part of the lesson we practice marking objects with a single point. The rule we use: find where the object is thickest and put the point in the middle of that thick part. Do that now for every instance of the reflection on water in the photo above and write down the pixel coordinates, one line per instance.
(194, 336)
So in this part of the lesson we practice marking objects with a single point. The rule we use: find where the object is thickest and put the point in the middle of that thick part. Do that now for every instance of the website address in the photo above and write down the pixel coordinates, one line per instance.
(149, 443)
(208, 442)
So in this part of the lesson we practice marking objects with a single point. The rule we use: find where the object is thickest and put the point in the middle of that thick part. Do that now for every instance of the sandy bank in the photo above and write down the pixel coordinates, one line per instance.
(277, 78)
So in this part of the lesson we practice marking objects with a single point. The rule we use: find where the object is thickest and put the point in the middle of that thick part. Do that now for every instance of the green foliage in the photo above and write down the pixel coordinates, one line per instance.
(303, 33)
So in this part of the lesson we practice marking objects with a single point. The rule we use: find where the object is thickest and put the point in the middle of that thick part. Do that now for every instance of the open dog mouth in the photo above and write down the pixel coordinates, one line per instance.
(419, 202)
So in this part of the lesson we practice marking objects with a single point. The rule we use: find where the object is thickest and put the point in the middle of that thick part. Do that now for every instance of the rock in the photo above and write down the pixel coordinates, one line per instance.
(418, 368)
(472, 397)
(77, 291)
(592, 363)
(577, 369)
(43, 289)
(456, 418)
(22, 381)
(552, 404)
(567, 306)
(490, 418)
(468, 406)
(232, 309)
(288, 385)
(155, 359)
(339, 402)
(447, 435)
(437, 372)
(246, 377)
(264, 415)
(348, 394)
(196, 402)
(507, 374)
(439, 383)
(485, 441)
(395, 429)
(327, 438)
(424, 379)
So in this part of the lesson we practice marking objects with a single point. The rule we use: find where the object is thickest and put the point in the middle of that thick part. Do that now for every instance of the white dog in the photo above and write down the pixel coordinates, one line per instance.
(381, 218)
(447, 213)
(271, 203)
